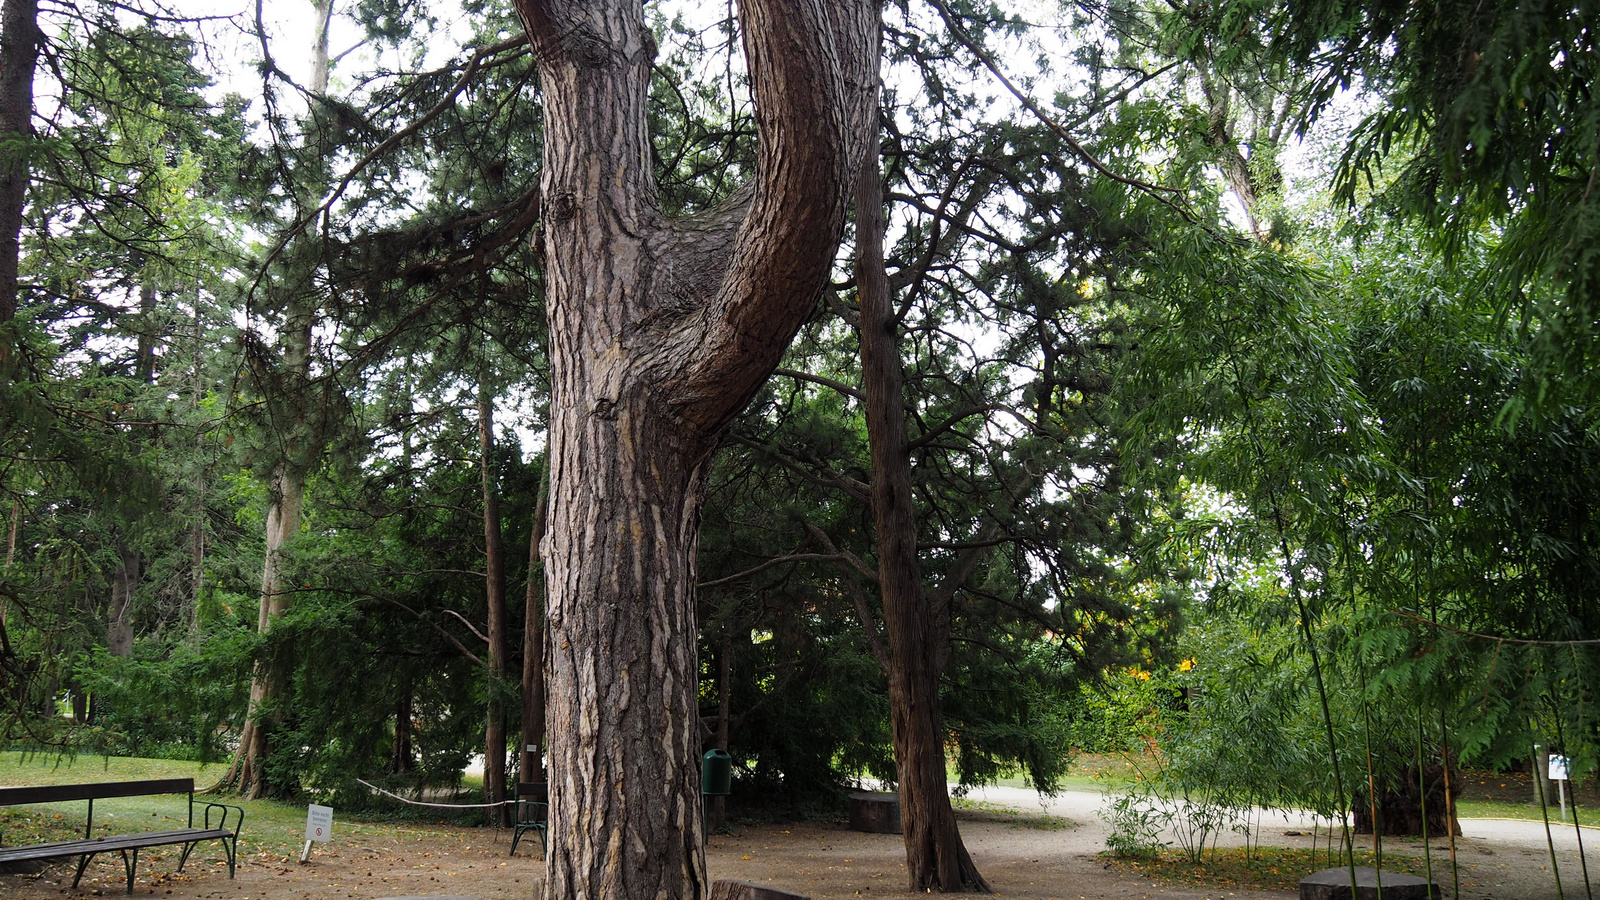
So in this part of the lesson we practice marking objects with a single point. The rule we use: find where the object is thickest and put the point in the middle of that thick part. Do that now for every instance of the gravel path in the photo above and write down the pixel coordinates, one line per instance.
(1498, 858)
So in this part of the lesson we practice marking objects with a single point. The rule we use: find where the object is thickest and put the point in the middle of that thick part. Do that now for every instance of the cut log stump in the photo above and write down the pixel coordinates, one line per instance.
(1334, 884)
(875, 812)
(727, 889)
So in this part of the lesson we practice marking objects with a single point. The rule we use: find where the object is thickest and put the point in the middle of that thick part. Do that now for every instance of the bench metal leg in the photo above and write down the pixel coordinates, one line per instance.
(83, 863)
(228, 847)
(130, 861)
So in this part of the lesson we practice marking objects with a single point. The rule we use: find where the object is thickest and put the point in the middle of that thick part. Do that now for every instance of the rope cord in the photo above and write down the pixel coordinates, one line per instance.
(434, 805)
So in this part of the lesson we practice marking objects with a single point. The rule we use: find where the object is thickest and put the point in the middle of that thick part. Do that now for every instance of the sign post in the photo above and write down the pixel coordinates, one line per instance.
(319, 827)
(1558, 774)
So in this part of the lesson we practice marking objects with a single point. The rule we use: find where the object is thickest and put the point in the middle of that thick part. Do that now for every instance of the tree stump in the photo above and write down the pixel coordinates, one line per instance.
(875, 812)
(727, 889)
(1334, 884)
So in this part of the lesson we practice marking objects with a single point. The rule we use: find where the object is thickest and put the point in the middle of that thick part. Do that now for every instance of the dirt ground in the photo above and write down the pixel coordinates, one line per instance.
(823, 861)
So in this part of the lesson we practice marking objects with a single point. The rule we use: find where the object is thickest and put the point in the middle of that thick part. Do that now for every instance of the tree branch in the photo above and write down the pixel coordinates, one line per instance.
(869, 623)
(775, 561)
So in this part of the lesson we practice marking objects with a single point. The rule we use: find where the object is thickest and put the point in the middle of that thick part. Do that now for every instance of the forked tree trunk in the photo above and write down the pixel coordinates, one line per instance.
(660, 332)
(284, 510)
(119, 619)
(286, 497)
(494, 732)
(918, 634)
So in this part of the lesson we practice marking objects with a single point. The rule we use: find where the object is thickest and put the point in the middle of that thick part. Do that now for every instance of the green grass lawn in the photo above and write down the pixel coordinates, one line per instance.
(1503, 809)
(1267, 868)
(272, 829)
(1086, 772)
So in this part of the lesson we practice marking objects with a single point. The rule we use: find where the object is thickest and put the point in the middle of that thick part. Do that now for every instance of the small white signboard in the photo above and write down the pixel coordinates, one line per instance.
(319, 827)
(1558, 768)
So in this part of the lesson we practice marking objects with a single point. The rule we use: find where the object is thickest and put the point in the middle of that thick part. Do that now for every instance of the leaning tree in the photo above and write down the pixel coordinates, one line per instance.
(660, 331)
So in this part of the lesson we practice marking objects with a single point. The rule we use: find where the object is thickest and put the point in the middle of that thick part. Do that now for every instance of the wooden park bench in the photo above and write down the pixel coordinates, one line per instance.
(126, 844)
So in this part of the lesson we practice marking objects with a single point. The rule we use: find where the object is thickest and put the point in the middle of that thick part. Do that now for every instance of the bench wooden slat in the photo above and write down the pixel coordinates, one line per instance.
(62, 793)
(111, 843)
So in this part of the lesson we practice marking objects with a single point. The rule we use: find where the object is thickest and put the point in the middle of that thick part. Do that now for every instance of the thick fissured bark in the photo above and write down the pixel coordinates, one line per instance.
(918, 633)
(660, 331)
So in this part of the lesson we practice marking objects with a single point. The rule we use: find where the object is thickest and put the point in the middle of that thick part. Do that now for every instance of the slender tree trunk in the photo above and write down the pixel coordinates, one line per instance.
(660, 332)
(125, 580)
(19, 53)
(719, 803)
(532, 764)
(401, 755)
(936, 858)
(494, 732)
(197, 529)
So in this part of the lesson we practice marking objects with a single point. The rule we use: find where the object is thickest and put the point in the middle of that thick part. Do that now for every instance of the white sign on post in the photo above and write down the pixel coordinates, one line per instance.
(319, 827)
(1558, 768)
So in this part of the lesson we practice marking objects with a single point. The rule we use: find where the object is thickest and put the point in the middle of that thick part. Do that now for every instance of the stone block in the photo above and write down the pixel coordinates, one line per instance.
(727, 889)
(875, 812)
(1334, 884)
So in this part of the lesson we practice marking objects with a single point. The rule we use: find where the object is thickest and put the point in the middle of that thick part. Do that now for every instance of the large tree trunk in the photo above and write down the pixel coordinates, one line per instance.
(19, 53)
(936, 858)
(1400, 805)
(660, 332)
(494, 554)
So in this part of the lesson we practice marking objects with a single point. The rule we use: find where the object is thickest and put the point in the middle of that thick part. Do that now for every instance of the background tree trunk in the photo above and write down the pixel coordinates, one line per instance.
(936, 857)
(660, 332)
(532, 765)
(19, 53)
(402, 757)
(494, 732)
(719, 803)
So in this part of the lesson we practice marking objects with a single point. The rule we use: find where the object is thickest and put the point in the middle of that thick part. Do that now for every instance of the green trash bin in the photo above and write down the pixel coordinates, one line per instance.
(716, 773)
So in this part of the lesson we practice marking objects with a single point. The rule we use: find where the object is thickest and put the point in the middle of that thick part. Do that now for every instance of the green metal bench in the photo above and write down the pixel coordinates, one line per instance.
(126, 844)
(533, 814)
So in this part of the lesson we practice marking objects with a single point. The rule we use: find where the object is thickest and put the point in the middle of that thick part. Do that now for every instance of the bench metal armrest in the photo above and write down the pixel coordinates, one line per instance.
(223, 808)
